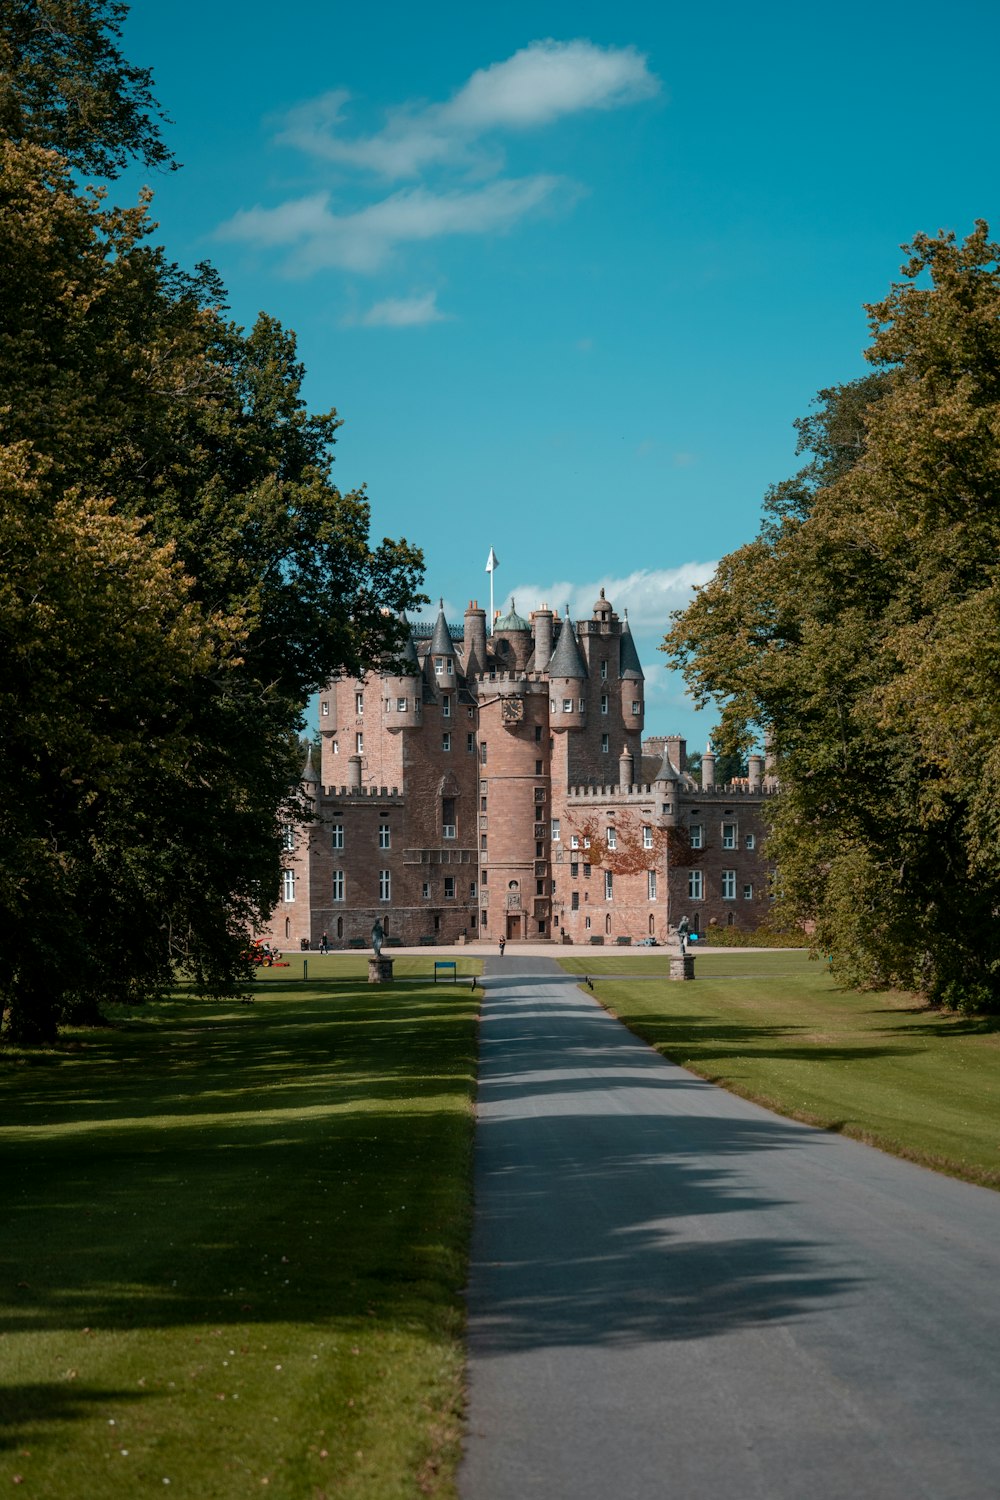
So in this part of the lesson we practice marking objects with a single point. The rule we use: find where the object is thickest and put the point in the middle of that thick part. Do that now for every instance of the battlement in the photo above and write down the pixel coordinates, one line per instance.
(364, 793)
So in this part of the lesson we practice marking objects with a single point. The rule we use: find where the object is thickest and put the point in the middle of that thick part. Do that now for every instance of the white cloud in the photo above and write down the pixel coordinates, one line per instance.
(649, 595)
(539, 84)
(364, 240)
(404, 312)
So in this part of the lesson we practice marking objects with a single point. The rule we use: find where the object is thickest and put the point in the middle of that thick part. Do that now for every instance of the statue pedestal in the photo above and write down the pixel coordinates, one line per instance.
(379, 970)
(682, 967)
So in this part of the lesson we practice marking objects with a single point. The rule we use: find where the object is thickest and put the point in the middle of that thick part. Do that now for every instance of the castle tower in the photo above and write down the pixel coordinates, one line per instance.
(402, 691)
(708, 768)
(541, 620)
(475, 639)
(632, 682)
(567, 679)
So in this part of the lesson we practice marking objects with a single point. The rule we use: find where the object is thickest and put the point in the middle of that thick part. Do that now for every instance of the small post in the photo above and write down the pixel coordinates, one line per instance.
(305, 968)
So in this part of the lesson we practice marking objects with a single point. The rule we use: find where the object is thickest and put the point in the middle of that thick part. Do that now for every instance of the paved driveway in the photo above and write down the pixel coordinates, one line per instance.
(677, 1294)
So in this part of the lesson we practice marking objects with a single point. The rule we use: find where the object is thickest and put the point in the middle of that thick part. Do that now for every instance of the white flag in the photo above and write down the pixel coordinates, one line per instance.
(492, 562)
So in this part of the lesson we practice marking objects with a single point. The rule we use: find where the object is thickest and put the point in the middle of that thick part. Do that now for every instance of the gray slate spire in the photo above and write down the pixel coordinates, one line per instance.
(441, 642)
(667, 770)
(631, 667)
(565, 660)
(309, 772)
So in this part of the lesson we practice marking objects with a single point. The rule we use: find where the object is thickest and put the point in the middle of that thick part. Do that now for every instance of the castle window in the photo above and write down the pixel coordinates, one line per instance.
(612, 838)
(604, 703)
(359, 743)
(539, 887)
(567, 705)
(451, 667)
(574, 901)
(472, 889)
(605, 744)
(448, 818)
(651, 885)
(337, 836)
(586, 872)
(359, 703)
(324, 709)
(470, 744)
(539, 794)
(439, 666)
(402, 704)
(538, 734)
(538, 768)
(729, 885)
(604, 670)
(425, 890)
(482, 843)
(449, 887)
(288, 840)
(647, 836)
(484, 787)
(384, 885)
(574, 841)
(750, 842)
(446, 707)
(582, 704)
(695, 885)
(609, 886)
(695, 834)
(539, 849)
(636, 706)
(729, 835)
(555, 830)
(338, 885)
(482, 752)
(336, 748)
(748, 893)
(288, 885)
(446, 742)
(383, 836)
(484, 876)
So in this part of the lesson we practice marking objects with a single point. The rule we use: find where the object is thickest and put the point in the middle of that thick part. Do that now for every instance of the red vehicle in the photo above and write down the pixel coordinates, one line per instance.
(262, 955)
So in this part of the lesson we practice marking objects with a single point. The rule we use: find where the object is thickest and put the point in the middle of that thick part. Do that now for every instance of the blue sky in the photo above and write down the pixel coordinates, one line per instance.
(569, 271)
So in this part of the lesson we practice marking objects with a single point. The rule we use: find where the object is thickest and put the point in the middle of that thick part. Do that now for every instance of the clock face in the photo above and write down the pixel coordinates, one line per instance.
(512, 710)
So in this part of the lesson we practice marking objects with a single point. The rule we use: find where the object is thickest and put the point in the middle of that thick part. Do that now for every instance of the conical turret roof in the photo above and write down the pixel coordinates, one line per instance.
(565, 660)
(631, 667)
(309, 772)
(667, 770)
(441, 642)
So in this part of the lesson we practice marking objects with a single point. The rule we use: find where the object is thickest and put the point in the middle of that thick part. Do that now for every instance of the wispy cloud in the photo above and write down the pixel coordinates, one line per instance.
(542, 83)
(404, 312)
(649, 595)
(536, 86)
(363, 241)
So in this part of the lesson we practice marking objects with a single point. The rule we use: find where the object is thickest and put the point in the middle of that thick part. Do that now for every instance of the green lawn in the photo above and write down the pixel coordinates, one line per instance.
(774, 1027)
(234, 1244)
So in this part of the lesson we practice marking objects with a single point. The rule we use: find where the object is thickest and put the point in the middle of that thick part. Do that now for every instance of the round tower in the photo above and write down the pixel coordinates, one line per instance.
(632, 682)
(567, 682)
(541, 620)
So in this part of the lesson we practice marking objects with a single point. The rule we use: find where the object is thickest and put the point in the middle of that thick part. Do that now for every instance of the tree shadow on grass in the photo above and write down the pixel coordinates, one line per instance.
(249, 1173)
(26, 1410)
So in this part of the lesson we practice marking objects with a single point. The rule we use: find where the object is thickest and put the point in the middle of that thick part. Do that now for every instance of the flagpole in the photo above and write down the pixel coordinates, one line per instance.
(492, 563)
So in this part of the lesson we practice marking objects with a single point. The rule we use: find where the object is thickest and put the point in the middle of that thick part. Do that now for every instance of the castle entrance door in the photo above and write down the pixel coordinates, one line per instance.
(513, 924)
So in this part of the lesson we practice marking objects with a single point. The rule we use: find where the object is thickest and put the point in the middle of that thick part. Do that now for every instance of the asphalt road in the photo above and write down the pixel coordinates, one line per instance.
(675, 1293)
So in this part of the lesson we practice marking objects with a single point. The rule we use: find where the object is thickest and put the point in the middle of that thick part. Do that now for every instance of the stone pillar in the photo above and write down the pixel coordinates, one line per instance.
(626, 768)
(682, 966)
(708, 770)
(379, 970)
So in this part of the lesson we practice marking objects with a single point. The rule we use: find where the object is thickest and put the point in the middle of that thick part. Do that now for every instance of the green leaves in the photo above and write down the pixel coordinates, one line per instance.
(861, 630)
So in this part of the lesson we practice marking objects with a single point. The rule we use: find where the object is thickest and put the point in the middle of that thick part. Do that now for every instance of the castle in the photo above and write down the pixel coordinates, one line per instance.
(498, 785)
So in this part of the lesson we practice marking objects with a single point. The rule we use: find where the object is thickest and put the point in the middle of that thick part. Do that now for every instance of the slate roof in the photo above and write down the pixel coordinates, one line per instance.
(565, 660)
(631, 667)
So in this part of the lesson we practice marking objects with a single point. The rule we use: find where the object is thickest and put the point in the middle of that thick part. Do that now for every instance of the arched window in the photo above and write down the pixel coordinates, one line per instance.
(607, 926)
(651, 924)
(288, 928)
(340, 927)
(729, 920)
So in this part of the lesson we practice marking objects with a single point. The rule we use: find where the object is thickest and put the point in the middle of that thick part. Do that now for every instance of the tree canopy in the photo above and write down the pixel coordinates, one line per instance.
(179, 573)
(64, 83)
(860, 632)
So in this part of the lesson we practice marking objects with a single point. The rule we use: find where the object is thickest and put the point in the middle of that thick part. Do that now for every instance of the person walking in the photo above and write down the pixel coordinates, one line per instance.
(324, 944)
(503, 944)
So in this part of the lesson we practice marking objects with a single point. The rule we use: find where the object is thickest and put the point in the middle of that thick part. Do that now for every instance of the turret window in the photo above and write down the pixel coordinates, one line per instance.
(402, 704)
(604, 703)
(324, 709)
(604, 670)
(636, 706)
(567, 705)
(605, 744)
(446, 707)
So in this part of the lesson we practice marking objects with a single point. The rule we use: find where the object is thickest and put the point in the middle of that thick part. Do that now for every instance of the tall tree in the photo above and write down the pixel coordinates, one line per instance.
(861, 628)
(65, 84)
(151, 791)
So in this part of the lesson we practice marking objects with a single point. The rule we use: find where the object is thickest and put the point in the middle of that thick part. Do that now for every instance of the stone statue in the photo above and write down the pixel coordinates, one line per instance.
(378, 936)
(683, 928)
